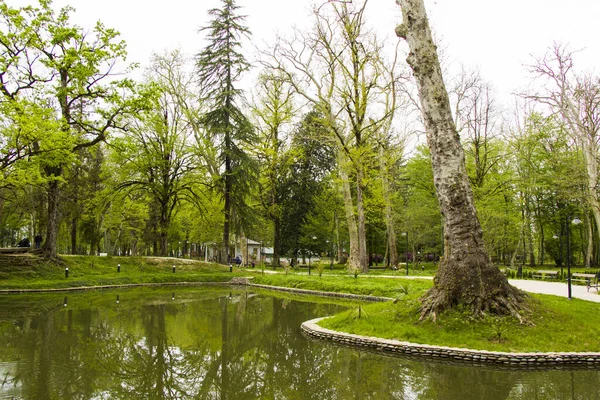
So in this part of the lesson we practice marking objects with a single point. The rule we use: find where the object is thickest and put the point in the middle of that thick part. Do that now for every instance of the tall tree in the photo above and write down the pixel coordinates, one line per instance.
(73, 72)
(312, 162)
(273, 110)
(465, 275)
(337, 68)
(575, 97)
(158, 161)
(220, 65)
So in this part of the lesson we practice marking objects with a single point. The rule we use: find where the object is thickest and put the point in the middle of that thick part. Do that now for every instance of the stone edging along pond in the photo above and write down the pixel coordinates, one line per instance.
(396, 347)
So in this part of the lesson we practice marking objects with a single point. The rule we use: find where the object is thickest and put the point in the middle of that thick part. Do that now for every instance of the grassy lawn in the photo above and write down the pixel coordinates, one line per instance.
(95, 271)
(554, 324)
(385, 287)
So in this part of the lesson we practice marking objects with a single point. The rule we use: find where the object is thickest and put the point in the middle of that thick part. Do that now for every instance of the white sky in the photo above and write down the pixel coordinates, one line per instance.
(498, 37)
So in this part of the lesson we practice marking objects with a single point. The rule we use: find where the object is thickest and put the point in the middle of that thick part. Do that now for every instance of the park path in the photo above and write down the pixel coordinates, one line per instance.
(533, 286)
(556, 289)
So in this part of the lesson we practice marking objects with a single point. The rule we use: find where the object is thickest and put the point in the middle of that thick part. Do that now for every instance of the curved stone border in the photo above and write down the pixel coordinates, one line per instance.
(396, 347)
(123, 286)
(319, 293)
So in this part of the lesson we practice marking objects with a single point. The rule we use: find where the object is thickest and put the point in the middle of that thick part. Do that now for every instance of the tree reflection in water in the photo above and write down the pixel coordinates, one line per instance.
(210, 344)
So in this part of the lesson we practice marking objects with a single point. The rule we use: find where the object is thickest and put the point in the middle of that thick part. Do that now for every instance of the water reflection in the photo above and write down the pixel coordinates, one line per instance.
(216, 344)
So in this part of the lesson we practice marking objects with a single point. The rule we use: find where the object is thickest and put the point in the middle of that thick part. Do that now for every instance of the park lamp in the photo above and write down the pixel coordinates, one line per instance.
(560, 254)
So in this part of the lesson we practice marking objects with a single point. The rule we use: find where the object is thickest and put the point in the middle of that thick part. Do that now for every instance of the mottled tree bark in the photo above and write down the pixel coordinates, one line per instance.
(363, 257)
(354, 252)
(465, 276)
(392, 248)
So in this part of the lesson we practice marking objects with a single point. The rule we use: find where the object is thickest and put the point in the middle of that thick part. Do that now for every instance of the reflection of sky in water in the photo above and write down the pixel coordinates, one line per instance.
(8, 387)
(204, 343)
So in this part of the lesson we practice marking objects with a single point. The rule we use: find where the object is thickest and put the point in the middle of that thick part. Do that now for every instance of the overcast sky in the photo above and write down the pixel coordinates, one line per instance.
(498, 37)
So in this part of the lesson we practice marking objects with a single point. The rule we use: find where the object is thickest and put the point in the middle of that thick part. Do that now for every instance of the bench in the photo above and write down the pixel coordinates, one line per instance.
(591, 280)
(543, 274)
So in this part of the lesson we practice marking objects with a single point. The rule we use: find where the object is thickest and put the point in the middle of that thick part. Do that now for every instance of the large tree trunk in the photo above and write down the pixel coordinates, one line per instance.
(590, 157)
(589, 253)
(74, 235)
(354, 255)
(164, 230)
(465, 275)
(392, 246)
(276, 241)
(363, 257)
(224, 255)
(51, 242)
(340, 253)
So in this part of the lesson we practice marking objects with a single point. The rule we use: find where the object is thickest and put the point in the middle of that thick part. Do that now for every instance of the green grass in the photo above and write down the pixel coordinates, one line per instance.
(554, 324)
(386, 287)
(423, 269)
(97, 271)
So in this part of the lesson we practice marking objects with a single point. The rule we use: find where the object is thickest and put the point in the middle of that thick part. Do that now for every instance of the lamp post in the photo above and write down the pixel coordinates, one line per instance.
(406, 234)
(559, 252)
(576, 221)
(246, 253)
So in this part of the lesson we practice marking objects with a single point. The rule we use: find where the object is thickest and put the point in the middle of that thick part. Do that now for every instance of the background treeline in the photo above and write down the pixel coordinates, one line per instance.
(321, 155)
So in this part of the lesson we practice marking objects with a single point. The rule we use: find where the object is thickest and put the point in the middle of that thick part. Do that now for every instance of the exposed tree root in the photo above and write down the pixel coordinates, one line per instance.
(481, 288)
(509, 303)
(49, 257)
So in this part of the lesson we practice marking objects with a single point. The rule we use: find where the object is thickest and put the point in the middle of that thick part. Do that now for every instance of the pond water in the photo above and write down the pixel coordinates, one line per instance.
(215, 343)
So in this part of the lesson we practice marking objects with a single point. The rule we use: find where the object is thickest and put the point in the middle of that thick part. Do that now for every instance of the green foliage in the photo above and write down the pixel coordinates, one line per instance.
(499, 328)
(422, 216)
(405, 288)
(313, 161)
(219, 66)
(320, 268)
(359, 313)
(66, 79)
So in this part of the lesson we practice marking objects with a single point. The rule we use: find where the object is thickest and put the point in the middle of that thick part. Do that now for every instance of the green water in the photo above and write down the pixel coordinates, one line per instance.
(209, 343)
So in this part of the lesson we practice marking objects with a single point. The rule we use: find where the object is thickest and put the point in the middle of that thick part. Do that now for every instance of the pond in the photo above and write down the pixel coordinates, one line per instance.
(221, 343)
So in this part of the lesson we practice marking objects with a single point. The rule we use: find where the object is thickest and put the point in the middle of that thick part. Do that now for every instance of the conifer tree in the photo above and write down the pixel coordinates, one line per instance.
(220, 65)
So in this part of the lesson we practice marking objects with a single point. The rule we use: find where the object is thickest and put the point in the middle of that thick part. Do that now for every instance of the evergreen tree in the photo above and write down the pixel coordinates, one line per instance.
(220, 65)
(314, 161)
